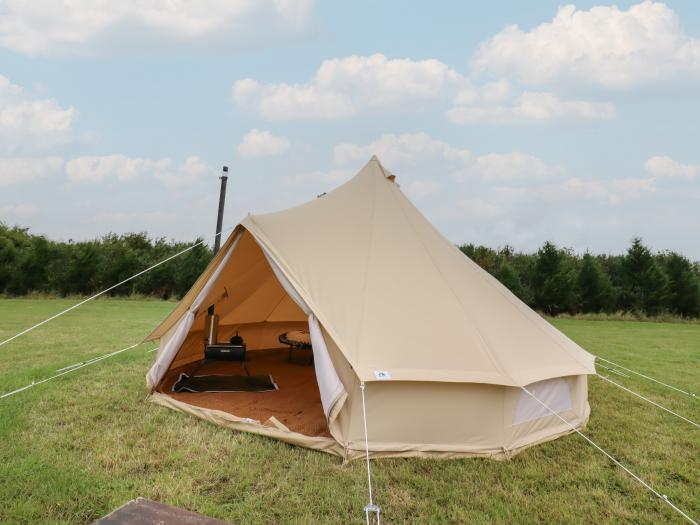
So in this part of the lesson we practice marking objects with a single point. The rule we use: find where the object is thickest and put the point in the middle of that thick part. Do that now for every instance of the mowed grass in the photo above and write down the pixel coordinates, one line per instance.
(74, 448)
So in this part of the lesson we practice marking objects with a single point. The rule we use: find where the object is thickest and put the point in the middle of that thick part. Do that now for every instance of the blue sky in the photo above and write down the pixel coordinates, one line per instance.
(505, 122)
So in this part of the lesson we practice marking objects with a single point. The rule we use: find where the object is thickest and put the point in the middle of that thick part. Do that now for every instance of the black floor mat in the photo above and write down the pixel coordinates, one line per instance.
(224, 383)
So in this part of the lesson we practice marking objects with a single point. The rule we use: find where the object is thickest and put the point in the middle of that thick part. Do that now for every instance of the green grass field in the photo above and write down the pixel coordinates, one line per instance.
(75, 448)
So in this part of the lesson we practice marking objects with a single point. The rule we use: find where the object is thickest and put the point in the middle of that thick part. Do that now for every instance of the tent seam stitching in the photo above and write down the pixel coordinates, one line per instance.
(490, 357)
(490, 281)
(366, 273)
(531, 321)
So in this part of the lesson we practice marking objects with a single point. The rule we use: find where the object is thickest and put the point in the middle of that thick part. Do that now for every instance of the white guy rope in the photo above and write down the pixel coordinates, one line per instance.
(614, 371)
(89, 361)
(663, 497)
(68, 370)
(59, 314)
(640, 396)
(371, 507)
(649, 378)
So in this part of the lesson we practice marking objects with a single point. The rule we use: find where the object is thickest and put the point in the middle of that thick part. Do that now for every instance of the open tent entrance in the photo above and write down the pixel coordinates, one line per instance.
(248, 299)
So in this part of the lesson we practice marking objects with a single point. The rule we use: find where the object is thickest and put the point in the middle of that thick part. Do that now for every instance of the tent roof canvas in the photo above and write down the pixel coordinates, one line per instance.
(398, 297)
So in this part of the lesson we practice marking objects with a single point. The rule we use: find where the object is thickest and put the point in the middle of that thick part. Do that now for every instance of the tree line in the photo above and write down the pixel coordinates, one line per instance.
(34, 264)
(553, 280)
(557, 280)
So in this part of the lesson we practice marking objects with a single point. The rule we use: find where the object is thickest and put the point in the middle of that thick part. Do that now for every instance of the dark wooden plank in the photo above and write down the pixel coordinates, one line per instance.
(145, 512)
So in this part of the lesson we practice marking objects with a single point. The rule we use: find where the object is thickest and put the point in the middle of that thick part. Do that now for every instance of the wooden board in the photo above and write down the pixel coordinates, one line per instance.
(145, 512)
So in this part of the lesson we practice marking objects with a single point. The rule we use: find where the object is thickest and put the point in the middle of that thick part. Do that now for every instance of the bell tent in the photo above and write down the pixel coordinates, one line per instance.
(392, 311)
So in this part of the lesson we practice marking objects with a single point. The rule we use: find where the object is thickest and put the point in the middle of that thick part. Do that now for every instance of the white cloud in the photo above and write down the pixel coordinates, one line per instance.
(420, 189)
(16, 171)
(29, 124)
(18, 211)
(604, 46)
(97, 169)
(576, 189)
(259, 143)
(332, 177)
(24, 170)
(122, 168)
(516, 198)
(530, 107)
(515, 175)
(400, 150)
(666, 167)
(405, 151)
(86, 25)
(514, 166)
(192, 170)
(344, 87)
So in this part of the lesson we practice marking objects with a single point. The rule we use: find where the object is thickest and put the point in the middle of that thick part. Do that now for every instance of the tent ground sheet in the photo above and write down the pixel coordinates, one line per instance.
(296, 403)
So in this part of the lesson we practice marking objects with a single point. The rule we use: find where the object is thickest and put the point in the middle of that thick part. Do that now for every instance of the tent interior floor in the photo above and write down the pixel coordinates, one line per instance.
(297, 403)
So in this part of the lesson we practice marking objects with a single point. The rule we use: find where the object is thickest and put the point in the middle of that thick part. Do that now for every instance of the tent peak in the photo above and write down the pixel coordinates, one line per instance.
(387, 174)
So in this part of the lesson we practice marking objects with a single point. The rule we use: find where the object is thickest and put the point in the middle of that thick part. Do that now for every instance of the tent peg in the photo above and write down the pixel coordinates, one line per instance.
(372, 509)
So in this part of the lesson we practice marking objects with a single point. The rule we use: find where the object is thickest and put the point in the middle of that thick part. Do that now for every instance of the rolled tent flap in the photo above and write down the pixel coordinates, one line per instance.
(170, 348)
(331, 388)
(329, 384)
(293, 294)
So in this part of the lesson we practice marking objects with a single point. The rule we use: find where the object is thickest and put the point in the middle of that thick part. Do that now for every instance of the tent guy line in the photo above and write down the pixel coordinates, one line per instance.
(651, 378)
(663, 497)
(371, 507)
(98, 358)
(640, 396)
(59, 314)
(614, 371)
(69, 369)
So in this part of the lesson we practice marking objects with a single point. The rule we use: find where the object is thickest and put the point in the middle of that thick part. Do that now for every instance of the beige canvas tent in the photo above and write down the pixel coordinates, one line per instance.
(441, 346)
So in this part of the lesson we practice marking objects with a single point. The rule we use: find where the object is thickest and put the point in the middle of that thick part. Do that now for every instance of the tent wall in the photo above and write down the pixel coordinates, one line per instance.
(412, 417)
(406, 418)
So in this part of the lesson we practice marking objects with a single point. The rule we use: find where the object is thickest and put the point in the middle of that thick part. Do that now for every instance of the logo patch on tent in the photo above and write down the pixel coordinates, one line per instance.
(382, 375)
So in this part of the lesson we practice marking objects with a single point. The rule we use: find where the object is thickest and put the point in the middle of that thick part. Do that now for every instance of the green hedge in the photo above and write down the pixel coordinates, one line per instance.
(32, 263)
(554, 280)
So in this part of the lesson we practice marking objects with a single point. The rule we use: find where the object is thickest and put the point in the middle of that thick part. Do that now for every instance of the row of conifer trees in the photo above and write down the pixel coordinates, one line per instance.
(556, 280)
(553, 280)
